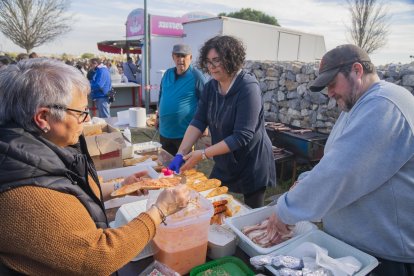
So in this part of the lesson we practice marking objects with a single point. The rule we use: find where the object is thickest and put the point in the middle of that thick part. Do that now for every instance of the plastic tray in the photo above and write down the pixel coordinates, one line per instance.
(256, 216)
(233, 204)
(230, 265)
(146, 147)
(336, 249)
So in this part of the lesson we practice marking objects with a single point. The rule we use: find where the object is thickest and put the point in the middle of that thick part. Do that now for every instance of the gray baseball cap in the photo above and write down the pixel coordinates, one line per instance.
(332, 62)
(183, 49)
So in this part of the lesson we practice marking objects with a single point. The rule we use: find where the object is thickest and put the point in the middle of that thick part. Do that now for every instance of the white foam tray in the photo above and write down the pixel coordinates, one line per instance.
(125, 172)
(146, 147)
(336, 249)
(256, 216)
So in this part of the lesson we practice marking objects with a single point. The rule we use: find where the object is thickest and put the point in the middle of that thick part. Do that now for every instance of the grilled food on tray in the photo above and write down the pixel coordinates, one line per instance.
(224, 206)
(204, 185)
(133, 161)
(218, 191)
(147, 184)
(189, 172)
(220, 207)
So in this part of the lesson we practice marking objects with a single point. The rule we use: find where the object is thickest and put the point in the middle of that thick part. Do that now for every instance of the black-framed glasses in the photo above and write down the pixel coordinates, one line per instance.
(214, 62)
(83, 114)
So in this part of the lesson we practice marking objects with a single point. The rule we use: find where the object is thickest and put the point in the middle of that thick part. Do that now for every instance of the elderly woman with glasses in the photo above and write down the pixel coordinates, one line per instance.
(231, 106)
(53, 220)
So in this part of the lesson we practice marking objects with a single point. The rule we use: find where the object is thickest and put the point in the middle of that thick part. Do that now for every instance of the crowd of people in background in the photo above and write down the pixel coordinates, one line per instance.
(116, 68)
(101, 73)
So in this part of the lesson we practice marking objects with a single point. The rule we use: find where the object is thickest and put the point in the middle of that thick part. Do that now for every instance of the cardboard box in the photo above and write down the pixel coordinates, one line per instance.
(105, 148)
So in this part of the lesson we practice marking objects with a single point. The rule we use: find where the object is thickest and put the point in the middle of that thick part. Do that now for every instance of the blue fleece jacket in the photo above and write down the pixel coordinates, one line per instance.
(101, 82)
(238, 119)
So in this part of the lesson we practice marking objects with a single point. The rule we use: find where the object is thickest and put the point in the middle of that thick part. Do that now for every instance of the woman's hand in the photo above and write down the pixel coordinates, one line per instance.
(135, 178)
(192, 159)
(174, 199)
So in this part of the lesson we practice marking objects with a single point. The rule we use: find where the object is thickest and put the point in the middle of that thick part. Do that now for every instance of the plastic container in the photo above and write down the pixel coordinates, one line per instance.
(146, 147)
(224, 266)
(221, 242)
(125, 214)
(182, 243)
(256, 216)
(156, 267)
(336, 249)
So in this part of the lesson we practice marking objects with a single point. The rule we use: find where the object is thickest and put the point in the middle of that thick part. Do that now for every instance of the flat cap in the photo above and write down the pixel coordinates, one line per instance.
(183, 49)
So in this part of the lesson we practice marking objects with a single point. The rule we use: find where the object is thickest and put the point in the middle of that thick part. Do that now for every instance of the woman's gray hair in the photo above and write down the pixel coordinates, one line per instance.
(34, 83)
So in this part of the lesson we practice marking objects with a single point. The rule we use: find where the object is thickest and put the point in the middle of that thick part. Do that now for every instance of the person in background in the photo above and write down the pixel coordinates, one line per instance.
(363, 187)
(80, 67)
(33, 55)
(53, 219)
(4, 61)
(231, 106)
(100, 87)
(138, 63)
(130, 70)
(124, 79)
(22, 56)
(180, 90)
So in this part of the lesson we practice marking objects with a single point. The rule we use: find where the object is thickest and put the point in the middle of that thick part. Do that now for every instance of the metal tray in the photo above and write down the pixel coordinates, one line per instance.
(146, 147)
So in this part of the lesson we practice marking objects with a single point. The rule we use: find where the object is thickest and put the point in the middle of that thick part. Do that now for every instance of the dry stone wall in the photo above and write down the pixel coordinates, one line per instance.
(287, 98)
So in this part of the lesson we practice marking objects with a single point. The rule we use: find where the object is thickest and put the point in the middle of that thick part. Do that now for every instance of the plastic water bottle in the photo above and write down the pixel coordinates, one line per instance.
(127, 135)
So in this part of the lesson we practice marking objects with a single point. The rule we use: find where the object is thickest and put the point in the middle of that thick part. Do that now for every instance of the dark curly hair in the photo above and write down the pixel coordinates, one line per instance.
(230, 50)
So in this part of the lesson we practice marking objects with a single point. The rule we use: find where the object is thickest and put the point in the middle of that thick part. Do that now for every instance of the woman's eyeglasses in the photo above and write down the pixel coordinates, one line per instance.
(213, 63)
(83, 114)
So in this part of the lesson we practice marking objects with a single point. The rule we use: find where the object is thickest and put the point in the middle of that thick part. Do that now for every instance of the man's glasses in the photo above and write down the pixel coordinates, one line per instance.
(213, 63)
(83, 114)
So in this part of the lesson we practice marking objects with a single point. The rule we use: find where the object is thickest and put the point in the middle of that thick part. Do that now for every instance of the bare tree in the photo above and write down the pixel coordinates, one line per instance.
(369, 24)
(31, 23)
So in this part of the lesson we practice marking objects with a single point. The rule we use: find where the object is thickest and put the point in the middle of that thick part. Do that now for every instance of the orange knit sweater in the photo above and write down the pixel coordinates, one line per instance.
(46, 232)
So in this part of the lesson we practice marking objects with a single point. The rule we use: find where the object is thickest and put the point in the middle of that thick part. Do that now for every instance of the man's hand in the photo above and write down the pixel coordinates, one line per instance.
(176, 163)
(276, 227)
(157, 123)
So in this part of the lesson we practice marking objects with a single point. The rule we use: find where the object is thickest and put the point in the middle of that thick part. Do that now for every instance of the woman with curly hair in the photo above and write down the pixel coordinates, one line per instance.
(231, 106)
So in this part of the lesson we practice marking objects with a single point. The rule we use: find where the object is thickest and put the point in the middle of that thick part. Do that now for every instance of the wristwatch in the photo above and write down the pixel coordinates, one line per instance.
(203, 154)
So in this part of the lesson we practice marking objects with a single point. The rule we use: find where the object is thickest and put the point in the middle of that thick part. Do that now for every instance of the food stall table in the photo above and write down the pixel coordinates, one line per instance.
(128, 95)
(136, 267)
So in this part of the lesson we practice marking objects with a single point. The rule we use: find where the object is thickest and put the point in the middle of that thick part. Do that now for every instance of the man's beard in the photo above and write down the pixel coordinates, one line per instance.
(352, 97)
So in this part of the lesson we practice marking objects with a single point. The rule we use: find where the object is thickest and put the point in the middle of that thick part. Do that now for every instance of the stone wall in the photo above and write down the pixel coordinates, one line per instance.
(288, 100)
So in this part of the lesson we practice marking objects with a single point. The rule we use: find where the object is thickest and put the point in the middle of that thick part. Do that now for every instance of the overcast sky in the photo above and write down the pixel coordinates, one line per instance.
(96, 21)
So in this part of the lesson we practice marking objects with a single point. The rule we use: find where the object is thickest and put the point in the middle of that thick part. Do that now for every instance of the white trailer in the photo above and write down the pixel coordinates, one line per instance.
(160, 59)
(262, 41)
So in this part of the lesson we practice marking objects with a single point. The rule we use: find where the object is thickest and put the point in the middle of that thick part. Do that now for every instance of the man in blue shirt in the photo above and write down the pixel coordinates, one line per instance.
(130, 70)
(100, 87)
(180, 89)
